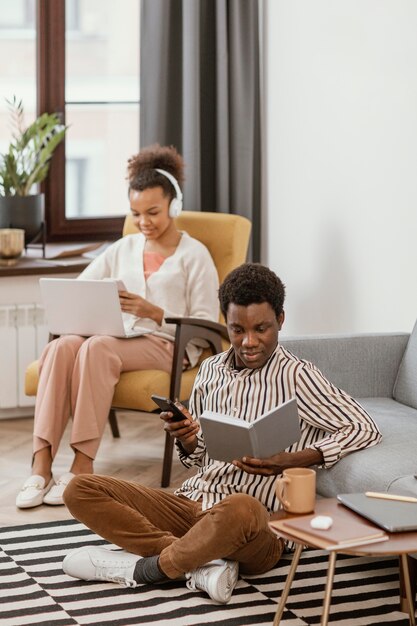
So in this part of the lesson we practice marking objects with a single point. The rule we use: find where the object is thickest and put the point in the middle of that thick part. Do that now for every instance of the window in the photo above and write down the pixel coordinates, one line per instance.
(19, 15)
(75, 191)
(18, 66)
(101, 101)
(89, 71)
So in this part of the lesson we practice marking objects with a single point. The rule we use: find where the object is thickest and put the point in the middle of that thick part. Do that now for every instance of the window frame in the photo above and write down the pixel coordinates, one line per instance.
(50, 63)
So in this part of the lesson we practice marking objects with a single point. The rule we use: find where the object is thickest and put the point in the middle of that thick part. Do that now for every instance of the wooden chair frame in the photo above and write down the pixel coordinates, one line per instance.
(187, 328)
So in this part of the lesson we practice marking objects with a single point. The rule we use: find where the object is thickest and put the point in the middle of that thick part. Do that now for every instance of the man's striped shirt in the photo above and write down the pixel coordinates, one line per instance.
(331, 421)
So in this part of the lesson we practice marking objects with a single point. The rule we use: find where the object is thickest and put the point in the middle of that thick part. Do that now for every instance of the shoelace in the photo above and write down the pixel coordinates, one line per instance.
(116, 574)
(218, 584)
(198, 580)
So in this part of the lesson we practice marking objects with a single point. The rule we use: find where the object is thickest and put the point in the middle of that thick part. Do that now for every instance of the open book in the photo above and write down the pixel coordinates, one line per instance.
(66, 250)
(228, 438)
(345, 532)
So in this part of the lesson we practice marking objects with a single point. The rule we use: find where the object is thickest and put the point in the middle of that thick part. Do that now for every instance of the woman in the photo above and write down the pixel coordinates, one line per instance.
(165, 273)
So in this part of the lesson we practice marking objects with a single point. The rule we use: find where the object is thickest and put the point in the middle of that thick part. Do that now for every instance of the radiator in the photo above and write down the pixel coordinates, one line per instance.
(23, 335)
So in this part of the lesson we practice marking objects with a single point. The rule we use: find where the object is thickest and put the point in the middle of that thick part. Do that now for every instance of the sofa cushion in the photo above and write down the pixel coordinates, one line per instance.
(377, 468)
(365, 366)
(405, 388)
(404, 485)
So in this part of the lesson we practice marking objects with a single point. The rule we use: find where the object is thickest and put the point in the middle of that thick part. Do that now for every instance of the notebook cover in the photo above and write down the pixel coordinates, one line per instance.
(345, 531)
(229, 438)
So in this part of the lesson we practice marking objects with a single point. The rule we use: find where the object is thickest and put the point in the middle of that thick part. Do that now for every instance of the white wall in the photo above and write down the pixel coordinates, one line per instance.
(341, 186)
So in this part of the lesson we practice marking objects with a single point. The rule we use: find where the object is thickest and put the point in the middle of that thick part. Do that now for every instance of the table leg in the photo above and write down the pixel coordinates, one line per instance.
(412, 569)
(288, 583)
(328, 591)
(408, 592)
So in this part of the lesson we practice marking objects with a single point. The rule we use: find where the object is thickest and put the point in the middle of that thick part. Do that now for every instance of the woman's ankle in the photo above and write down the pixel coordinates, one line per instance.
(82, 464)
(42, 464)
(47, 476)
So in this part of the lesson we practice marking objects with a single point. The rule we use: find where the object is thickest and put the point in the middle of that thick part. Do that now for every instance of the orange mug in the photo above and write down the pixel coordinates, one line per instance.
(296, 490)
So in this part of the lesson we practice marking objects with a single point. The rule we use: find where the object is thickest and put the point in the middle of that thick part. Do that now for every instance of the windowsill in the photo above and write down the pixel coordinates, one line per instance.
(31, 262)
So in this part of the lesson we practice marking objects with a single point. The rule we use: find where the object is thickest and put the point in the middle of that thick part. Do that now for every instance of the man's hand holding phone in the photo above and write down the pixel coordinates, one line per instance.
(179, 423)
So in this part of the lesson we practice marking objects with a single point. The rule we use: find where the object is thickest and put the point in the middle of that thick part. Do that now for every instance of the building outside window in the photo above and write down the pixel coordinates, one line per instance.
(97, 92)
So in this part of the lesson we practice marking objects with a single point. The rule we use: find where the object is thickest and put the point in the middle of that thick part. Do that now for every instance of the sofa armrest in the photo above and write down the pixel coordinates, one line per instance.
(363, 365)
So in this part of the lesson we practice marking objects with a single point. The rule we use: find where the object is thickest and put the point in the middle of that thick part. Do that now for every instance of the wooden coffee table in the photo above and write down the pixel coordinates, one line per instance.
(398, 544)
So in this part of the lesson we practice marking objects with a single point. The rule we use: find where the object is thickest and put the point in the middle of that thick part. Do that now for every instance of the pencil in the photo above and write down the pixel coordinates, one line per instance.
(390, 496)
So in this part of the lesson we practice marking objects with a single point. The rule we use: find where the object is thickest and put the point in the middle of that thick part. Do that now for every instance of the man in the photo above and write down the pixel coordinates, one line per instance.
(217, 521)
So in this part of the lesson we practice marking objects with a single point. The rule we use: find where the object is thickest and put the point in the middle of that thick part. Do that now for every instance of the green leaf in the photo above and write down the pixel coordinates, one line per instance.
(28, 158)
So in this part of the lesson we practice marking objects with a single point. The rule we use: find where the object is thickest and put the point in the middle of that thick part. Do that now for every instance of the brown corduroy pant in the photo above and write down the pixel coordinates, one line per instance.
(148, 522)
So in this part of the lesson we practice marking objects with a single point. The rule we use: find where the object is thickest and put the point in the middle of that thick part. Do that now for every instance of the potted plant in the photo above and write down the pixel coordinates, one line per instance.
(25, 164)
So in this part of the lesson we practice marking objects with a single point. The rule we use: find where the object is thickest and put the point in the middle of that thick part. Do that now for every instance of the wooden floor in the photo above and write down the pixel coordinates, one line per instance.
(137, 456)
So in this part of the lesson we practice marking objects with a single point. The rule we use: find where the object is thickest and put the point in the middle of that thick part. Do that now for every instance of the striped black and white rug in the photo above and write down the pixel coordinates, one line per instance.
(34, 590)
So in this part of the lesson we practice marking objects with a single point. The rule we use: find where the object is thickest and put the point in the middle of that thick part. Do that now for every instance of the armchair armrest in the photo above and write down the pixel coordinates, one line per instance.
(200, 323)
(189, 328)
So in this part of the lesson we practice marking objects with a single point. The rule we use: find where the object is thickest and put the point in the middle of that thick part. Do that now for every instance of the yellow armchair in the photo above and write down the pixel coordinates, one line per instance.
(226, 237)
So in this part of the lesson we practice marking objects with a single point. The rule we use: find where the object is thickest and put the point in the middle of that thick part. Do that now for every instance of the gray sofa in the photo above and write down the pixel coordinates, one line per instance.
(380, 371)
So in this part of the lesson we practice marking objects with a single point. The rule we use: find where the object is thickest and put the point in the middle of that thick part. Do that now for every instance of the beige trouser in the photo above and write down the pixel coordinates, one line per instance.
(77, 378)
(148, 521)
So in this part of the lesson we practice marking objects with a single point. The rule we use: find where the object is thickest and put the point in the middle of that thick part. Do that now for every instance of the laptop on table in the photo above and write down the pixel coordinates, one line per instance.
(84, 307)
(392, 515)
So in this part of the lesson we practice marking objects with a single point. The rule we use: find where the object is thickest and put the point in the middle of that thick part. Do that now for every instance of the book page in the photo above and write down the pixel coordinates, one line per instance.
(65, 250)
(226, 419)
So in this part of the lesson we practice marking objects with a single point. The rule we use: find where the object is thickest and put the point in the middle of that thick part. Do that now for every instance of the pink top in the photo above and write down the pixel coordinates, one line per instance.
(152, 261)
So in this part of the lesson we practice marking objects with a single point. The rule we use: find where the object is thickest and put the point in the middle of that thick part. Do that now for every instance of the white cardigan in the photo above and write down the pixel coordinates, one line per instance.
(185, 285)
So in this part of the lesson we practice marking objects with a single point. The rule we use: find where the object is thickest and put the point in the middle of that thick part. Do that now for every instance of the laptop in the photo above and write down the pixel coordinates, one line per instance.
(392, 515)
(84, 307)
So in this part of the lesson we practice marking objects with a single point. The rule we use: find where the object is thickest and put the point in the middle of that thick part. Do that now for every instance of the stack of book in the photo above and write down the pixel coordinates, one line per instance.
(345, 532)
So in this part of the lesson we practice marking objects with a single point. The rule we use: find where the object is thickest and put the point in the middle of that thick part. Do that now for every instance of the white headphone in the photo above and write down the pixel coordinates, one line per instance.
(175, 206)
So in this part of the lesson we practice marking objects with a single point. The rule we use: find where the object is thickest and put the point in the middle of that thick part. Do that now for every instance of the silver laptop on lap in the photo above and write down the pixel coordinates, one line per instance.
(84, 307)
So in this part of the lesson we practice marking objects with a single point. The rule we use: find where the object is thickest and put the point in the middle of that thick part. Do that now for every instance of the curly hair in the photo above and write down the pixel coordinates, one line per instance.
(141, 169)
(252, 283)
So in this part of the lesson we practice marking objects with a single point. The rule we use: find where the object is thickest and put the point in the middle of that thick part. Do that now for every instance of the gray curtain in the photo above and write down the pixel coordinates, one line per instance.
(200, 91)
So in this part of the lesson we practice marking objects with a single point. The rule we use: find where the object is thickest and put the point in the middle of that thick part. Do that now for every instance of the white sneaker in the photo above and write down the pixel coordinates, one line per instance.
(96, 563)
(217, 578)
(55, 495)
(33, 492)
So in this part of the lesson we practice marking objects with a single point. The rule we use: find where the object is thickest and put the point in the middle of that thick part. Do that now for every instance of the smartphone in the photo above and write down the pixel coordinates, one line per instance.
(168, 405)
